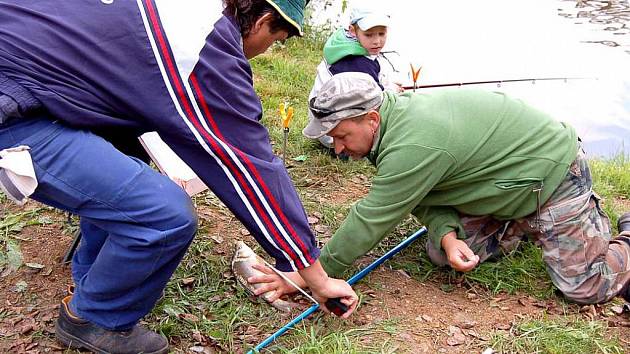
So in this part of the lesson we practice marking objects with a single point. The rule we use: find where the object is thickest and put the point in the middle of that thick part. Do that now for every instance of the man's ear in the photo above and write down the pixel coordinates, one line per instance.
(260, 22)
(375, 118)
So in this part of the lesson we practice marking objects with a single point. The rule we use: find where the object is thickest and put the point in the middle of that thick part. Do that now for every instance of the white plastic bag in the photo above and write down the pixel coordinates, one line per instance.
(17, 176)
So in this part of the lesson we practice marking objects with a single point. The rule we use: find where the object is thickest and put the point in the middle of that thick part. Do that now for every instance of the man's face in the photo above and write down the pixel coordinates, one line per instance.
(373, 40)
(354, 136)
(260, 38)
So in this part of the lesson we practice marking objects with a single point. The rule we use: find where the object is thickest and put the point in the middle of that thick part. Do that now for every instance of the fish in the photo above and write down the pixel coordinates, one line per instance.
(242, 261)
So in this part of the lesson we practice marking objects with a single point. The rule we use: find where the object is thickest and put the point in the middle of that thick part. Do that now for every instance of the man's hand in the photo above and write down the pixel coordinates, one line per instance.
(324, 288)
(337, 288)
(459, 255)
(273, 281)
(396, 87)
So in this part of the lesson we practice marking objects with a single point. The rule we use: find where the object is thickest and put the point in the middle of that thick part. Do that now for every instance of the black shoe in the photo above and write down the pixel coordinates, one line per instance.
(623, 224)
(77, 333)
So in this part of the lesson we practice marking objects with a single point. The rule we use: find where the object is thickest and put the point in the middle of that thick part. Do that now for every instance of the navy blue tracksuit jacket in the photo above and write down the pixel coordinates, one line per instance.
(175, 67)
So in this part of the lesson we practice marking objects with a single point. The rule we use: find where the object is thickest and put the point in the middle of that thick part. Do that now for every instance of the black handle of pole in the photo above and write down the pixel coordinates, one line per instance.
(336, 306)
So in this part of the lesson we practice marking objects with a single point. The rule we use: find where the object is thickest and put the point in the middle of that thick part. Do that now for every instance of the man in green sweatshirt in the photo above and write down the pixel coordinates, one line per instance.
(482, 171)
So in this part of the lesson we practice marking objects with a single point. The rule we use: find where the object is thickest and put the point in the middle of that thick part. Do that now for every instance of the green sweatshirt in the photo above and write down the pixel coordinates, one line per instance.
(453, 151)
(340, 45)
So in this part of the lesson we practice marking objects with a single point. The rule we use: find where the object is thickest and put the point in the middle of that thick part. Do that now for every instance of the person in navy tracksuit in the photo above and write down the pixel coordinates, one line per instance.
(77, 69)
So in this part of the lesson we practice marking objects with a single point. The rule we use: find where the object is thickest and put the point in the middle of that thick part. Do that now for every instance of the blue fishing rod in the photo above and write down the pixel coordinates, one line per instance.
(335, 302)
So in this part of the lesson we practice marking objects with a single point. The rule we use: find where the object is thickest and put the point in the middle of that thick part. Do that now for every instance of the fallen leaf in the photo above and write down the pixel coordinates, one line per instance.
(244, 232)
(474, 334)
(198, 337)
(215, 298)
(55, 346)
(427, 318)
(499, 298)
(31, 346)
(35, 265)
(48, 317)
(201, 349)
(217, 239)
(21, 286)
(26, 328)
(322, 228)
(454, 329)
(617, 310)
(188, 281)
(404, 274)
(312, 220)
(503, 326)
(456, 339)
(407, 337)
(464, 321)
(15, 320)
(13, 257)
(189, 317)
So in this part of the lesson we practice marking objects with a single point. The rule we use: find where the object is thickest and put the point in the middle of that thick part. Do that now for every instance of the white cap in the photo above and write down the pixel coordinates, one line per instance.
(367, 18)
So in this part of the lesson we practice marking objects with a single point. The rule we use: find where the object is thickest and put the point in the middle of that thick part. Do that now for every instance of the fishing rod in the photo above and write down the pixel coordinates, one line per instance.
(499, 82)
(360, 275)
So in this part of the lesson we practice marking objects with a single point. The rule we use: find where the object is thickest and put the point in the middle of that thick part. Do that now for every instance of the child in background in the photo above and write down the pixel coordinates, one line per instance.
(358, 48)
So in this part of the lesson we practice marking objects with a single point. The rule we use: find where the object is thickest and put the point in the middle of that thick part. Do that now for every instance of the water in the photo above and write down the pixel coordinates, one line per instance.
(460, 41)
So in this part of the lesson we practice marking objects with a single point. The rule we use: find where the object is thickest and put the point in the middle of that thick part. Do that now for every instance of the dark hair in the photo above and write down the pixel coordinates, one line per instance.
(247, 12)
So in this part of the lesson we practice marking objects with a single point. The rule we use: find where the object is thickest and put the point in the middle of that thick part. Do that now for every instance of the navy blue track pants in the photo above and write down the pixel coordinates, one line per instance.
(136, 223)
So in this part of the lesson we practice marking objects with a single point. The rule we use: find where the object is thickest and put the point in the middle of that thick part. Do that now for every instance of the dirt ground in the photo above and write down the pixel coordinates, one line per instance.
(428, 320)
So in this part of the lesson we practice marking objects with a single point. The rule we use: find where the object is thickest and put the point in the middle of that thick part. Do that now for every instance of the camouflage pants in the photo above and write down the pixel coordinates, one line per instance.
(582, 259)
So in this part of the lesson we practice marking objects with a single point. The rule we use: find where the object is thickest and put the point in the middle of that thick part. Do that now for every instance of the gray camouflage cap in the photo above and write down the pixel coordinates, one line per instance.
(345, 95)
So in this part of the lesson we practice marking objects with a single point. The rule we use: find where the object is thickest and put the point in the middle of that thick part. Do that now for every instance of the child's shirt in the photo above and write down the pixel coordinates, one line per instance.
(344, 53)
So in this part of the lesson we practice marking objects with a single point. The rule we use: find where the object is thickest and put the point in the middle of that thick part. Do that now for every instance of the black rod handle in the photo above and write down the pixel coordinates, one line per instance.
(336, 306)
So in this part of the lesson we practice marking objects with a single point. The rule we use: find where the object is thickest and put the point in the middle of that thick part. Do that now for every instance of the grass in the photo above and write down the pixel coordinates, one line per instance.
(521, 271)
(557, 337)
(10, 227)
(611, 180)
(337, 339)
